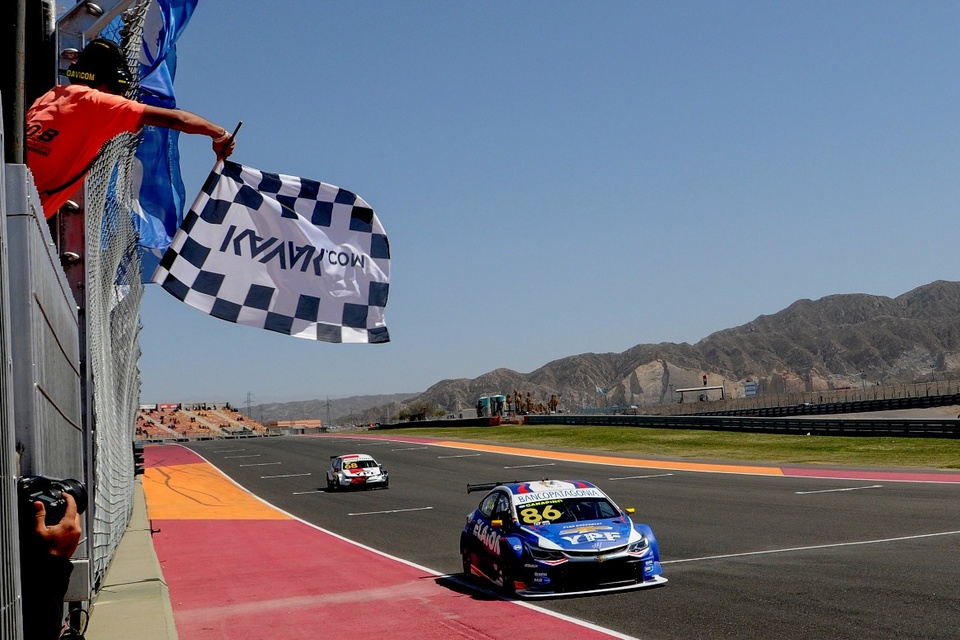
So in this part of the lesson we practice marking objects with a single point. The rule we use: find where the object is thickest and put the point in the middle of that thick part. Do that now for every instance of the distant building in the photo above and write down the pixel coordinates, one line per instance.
(294, 424)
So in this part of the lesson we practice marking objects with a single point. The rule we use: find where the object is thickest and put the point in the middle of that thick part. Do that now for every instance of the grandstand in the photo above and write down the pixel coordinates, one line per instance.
(179, 421)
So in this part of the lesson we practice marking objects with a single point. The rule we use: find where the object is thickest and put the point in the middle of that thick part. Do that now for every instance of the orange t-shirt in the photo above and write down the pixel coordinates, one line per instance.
(65, 129)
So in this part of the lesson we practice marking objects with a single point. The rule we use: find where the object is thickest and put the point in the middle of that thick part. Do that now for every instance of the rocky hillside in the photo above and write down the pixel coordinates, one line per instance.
(834, 342)
(847, 340)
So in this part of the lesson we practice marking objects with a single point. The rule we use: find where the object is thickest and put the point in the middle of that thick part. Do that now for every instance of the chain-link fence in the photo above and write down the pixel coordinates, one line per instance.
(113, 295)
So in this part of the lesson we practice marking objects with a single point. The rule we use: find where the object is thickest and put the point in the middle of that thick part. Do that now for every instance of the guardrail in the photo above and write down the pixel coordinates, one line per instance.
(488, 421)
(853, 406)
(781, 420)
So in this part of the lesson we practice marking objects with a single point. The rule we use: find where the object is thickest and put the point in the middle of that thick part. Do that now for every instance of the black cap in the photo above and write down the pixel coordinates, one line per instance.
(101, 62)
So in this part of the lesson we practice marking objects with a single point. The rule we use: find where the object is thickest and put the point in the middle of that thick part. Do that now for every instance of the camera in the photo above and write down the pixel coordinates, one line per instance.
(50, 492)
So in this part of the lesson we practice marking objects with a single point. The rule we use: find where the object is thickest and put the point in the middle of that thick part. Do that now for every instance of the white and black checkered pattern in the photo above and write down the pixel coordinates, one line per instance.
(282, 253)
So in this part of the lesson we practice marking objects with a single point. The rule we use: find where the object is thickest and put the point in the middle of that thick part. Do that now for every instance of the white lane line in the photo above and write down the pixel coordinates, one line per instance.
(250, 455)
(372, 513)
(813, 547)
(467, 455)
(303, 493)
(285, 475)
(527, 466)
(259, 464)
(229, 450)
(410, 449)
(872, 486)
(656, 475)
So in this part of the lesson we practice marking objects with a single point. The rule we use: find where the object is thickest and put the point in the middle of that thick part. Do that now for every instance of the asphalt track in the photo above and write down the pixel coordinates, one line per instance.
(750, 551)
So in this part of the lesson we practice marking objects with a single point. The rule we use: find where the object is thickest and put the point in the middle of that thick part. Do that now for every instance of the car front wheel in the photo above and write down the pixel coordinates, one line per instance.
(465, 561)
(507, 573)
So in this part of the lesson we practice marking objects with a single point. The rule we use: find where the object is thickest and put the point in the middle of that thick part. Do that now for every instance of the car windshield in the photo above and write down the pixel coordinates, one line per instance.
(567, 510)
(360, 464)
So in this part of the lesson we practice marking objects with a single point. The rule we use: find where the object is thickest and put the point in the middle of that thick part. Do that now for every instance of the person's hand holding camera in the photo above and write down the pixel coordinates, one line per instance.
(63, 538)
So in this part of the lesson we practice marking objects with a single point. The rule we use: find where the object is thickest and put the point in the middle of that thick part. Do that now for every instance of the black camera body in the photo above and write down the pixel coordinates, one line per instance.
(50, 492)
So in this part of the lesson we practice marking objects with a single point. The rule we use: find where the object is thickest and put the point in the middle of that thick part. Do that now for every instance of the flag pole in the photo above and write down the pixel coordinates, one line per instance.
(229, 141)
(234, 134)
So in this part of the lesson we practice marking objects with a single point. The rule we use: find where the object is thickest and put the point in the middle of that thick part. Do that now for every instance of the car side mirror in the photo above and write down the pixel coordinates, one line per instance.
(630, 511)
(496, 524)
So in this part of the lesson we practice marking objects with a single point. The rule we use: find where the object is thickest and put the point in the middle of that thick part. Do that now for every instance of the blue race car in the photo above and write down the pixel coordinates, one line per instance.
(553, 537)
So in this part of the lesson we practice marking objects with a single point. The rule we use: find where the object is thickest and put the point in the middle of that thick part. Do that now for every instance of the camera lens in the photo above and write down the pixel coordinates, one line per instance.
(77, 490)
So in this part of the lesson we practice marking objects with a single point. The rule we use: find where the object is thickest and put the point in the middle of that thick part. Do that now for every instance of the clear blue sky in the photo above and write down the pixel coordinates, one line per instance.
(560, 178)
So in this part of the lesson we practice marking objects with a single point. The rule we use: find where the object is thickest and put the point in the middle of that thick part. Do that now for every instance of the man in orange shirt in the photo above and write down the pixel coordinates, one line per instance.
(67, 126)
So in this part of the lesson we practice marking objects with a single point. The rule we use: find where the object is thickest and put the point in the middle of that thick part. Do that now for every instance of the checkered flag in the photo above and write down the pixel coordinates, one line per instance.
(282, 253)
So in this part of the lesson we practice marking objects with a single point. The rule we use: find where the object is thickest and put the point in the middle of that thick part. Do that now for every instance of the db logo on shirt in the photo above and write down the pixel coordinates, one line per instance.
(40, 134)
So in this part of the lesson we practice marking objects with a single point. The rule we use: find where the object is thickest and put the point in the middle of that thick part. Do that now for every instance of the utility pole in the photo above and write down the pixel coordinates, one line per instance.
(248, 403)
(327, 423)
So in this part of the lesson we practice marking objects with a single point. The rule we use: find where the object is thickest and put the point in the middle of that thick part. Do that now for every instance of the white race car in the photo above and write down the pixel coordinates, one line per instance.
(356, 470)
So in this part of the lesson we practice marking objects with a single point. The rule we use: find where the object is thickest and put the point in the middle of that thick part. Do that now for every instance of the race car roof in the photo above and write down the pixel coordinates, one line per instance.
(356, 456)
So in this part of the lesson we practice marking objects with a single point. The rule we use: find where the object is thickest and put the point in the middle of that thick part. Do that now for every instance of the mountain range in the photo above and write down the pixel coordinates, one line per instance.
(836, 342)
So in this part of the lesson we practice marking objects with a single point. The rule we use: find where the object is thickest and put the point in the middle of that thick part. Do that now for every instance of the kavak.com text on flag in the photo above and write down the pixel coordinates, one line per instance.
(282, 253)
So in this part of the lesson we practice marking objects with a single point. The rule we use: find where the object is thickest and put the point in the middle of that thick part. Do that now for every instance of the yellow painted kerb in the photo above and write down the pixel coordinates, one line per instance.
(199, 491)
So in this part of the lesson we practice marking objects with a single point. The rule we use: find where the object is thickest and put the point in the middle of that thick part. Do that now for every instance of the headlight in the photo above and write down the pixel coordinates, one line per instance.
(543, 555)
(640, 546)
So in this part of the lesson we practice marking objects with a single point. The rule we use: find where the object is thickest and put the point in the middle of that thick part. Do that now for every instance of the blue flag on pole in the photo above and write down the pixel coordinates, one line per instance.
(161, 190)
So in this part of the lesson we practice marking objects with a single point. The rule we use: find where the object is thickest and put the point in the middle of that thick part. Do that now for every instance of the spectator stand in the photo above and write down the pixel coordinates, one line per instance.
(202, 425)
(237, 424)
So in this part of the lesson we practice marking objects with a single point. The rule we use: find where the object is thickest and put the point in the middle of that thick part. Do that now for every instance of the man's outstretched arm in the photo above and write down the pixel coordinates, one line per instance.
(191, 123)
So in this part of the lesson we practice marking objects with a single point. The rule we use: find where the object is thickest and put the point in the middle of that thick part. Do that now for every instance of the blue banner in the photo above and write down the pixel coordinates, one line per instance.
(162, 194)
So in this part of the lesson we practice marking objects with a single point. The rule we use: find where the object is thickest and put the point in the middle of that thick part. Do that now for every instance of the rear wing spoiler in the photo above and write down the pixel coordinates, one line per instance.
(486, 486)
